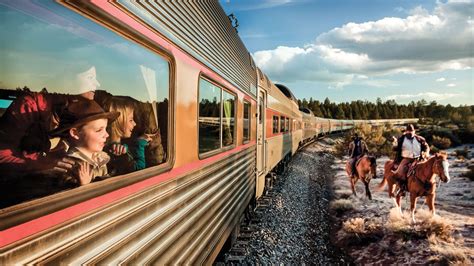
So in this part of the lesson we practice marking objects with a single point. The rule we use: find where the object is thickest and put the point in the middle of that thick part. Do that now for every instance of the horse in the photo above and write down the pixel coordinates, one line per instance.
(421, 181)
(366, 167)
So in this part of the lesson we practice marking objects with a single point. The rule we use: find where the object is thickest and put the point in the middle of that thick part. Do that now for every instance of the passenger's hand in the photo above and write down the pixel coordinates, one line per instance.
(62, 165)
(84, 173)
(148, 137)
(54, 165)
(118, 149)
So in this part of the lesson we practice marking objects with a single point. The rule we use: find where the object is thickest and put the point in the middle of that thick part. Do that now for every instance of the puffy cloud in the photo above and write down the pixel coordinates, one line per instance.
(429, 96)
(451, 85)
(440, 80)
(422, 42)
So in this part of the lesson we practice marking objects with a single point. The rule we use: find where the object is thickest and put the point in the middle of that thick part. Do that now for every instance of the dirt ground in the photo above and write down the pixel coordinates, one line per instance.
(372, 231)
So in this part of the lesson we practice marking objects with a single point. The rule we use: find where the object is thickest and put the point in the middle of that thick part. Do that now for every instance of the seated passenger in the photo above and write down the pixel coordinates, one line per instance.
(24, 142)
(129, 157)
(82, 128)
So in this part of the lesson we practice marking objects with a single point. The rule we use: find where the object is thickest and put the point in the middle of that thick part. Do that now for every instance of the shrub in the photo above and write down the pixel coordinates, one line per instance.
(354, 225)
(464, 153)
(427, 226)
(449, 255)
(341, 205)
(441, 142)
(470, 173)
(429, 133)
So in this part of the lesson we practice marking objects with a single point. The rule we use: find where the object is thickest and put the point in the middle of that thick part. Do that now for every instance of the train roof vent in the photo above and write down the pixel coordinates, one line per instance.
(286, 91)
(306, 110)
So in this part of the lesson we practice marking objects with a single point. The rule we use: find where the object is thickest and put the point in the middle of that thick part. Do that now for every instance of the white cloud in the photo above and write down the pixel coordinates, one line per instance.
(440, 79)
(429, 96)
(451, 85)
(422, 42)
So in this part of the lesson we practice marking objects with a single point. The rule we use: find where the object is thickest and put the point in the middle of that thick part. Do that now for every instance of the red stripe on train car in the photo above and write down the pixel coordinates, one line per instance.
(32, 227)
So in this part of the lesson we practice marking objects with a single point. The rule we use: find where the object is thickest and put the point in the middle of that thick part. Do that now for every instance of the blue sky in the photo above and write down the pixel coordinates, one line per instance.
(363, 49)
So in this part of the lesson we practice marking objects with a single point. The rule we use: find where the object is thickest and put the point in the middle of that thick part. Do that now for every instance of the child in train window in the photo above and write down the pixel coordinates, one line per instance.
(127, 152)
(82, 127)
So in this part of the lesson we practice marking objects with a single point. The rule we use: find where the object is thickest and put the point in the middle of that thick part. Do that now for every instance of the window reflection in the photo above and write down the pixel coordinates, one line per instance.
(275, 124)
(52, 57)
(247, 111)
(209, 116)
(228, 122)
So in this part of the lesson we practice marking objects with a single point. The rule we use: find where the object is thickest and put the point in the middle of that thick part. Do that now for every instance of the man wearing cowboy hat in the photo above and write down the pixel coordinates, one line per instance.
(357, 148)
(410, 148)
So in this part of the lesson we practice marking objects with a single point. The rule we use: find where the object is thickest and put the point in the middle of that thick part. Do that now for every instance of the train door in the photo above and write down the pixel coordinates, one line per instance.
(262, 100)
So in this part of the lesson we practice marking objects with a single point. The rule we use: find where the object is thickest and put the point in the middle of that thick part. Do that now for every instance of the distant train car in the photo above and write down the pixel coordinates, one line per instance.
(309, 127)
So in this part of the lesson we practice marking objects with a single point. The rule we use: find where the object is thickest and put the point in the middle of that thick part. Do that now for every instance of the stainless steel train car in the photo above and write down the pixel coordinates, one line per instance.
(211, 125)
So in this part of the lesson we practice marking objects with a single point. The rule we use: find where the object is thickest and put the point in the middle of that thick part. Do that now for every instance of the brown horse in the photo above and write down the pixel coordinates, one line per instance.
(421, 182)
(366, 167)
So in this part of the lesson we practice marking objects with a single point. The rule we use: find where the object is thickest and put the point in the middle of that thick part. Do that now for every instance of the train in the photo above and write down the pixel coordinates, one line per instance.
(220, 128)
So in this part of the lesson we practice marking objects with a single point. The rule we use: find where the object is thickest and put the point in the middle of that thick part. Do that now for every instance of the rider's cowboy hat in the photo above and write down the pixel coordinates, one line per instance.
(79, 112)
(410, 127)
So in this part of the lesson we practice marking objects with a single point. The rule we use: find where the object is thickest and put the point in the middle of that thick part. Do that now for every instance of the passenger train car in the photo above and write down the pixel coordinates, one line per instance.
(215, 127)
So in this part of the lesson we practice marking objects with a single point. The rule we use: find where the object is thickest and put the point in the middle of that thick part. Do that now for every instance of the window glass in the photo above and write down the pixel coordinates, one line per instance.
(287, 124)
(228, 118)
(260, 114)
(282, 124)
(51, 58)
(275, 124)
(247, 123)
(209, 116)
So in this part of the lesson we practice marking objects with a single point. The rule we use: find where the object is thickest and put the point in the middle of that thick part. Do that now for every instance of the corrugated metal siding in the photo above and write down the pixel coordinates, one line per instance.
(203, 30)
(182, 221)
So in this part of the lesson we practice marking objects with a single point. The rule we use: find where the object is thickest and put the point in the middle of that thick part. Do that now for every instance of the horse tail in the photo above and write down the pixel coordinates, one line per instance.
(373, 160)
(382, 184)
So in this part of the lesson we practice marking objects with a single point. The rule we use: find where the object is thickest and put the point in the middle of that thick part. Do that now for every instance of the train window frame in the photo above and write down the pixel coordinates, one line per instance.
(222, 148)
(29, 210)
(246, 104)
(275, 124)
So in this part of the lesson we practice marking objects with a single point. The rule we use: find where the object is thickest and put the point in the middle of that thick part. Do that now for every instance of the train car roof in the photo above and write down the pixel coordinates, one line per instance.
(287, 92)
(306, 110)
(205, 32)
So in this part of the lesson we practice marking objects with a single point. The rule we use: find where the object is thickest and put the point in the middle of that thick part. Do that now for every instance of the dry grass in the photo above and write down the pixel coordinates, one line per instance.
(341, 205)
(354, 225)
(398, 223)
(427, 226)
(449, 254)
(342, 193)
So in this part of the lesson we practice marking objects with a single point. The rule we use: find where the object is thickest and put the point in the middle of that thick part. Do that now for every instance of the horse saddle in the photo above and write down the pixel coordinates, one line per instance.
(412, 168)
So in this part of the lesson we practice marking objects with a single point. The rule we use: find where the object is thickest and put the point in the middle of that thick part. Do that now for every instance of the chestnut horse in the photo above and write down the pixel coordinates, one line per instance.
(366, 167)
(421, 181)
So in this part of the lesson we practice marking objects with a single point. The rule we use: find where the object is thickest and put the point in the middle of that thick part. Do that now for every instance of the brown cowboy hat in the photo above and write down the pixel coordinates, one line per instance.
(79, 112)
(410, 127)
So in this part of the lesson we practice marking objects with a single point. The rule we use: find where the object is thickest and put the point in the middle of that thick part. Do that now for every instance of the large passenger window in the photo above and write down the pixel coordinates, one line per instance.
(247, 111)
(216, 117)
(53, 59)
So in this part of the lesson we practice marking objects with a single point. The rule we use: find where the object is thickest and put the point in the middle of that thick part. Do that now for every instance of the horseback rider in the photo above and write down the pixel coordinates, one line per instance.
(357, 149)
(410, 148)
